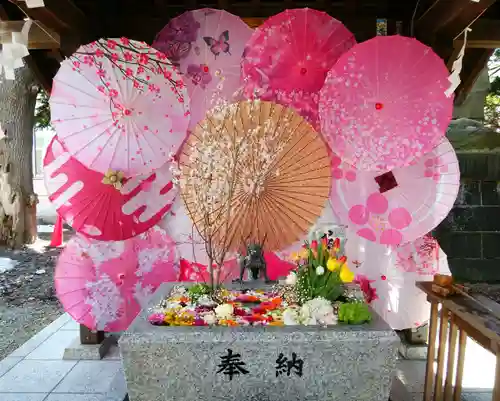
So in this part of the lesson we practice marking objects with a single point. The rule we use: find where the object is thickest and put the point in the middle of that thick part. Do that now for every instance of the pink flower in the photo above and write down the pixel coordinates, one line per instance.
(156, 318)
(136, 84)
(143, 58)
(115, 57)
(369, 292)
(112, 44)
(140, 69)
(101, 88)
(314, 244)
(88, 60)
(168, 75)
(128, 56)
(124, 41)
(113, 93)
(129, 72)
(76, 64)
(161, 56)
(99, 53)
(101, 73)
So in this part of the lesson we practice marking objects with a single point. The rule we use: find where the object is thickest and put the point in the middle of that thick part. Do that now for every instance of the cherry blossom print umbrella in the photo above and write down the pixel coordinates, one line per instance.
(254, 172)
(104, 285)
(392, 273)
(181, 229)
(399, 206)
(207, 45)
(288, 57)
(383, 103)
(107, 208)
(119, 104)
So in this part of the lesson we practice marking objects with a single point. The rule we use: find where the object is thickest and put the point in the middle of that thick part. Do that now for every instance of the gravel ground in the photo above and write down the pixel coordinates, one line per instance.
(27, 298)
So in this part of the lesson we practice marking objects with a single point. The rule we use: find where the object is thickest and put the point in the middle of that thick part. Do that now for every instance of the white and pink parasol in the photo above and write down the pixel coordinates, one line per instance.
(383, 104)
(101, 210)
(119, 104)
(104, 285)
(207, 45)
(392, 274)
(399, 206)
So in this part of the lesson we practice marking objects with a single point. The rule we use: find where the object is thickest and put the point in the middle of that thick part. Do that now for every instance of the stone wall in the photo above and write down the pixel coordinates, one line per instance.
(470, 235)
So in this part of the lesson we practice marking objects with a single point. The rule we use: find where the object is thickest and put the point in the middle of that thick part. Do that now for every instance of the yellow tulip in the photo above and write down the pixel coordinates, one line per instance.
(333, 264)
(346, 275)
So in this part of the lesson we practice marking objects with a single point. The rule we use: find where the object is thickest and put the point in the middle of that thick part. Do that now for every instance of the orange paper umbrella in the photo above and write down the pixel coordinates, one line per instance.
(254, 171)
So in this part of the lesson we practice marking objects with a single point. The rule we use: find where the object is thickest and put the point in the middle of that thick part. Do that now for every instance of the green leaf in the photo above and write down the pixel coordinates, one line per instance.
(354, 313)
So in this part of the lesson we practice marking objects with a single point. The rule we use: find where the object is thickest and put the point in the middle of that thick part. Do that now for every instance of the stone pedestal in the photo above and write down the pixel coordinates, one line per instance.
(291, 363)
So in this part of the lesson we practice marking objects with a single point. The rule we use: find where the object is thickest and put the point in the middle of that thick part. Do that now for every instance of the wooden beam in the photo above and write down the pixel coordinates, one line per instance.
(485, 34)
(40, 37)
(439, 14)
(466, 18)
(59, 15)
(448, 18)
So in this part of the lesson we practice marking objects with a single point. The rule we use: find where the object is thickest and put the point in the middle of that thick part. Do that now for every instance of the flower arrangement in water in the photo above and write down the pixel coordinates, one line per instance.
(318, 292)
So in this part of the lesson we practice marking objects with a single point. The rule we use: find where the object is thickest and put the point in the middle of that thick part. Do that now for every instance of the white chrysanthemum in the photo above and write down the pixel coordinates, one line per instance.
(318, 311)
(291, 317)
(320, 270)
(224, 311)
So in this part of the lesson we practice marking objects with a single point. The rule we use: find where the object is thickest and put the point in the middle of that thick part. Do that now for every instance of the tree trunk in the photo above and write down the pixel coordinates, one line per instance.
(17, 198)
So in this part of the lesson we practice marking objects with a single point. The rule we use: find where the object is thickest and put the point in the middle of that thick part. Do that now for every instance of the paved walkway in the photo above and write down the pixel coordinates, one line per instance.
(36, 371)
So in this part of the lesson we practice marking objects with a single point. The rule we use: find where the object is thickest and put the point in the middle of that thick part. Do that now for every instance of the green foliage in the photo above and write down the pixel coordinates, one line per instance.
(354, 313)
(42, 111)
(310, 284)
(492, 111)
(495, 86)
(198, 290)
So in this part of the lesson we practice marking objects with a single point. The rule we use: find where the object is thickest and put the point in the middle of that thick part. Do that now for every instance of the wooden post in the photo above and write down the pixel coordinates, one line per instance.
(452, 344)
(88, 337)
(431, 351)
(496, 390)
(443, 330)
(462, 340)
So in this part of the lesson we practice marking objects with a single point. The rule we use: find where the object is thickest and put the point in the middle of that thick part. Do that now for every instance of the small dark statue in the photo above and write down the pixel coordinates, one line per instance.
(254, 262)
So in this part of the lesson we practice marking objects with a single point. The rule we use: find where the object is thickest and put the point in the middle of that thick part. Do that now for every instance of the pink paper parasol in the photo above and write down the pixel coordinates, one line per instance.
(399, 206)
(288, 56)
(392, 275)
(119, 104)
(207, 45)
(383, 104)
(104, 285)
(100, 210)
(190, 271)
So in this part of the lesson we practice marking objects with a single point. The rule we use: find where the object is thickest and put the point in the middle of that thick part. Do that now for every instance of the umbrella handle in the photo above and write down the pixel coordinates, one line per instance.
(121, 276)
